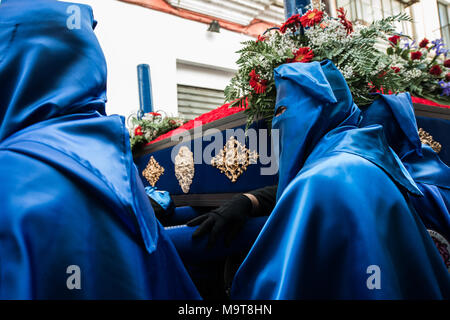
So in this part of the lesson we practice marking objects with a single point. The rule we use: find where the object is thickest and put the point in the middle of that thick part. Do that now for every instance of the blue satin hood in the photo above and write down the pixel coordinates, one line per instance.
(36, 41)
(396, 114)
(317, 100)
(70, 192)
(343, 206)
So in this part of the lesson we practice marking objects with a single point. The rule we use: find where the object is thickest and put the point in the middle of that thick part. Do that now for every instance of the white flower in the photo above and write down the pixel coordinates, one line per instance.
(412, 74)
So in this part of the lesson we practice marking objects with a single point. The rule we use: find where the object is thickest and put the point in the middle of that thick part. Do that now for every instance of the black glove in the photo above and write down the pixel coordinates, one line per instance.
(227, 219)
(266, 198)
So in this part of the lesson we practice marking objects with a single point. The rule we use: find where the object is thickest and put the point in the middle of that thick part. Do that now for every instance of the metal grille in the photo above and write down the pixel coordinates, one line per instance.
(194, 101)
(367, 11)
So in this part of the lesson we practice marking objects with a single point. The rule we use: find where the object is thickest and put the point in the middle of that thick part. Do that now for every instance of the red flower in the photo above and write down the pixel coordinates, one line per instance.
(447, 63)
(256, 83)
(293, 22)
(311, 17)
(304, 54)
(155, 114)
(260, 38)
(436, 70)
(396, 69)
(394, 39)
(138, 131)
(424, 43)
(447, 77)
(416, 55)
(346, 23)
(382, 74)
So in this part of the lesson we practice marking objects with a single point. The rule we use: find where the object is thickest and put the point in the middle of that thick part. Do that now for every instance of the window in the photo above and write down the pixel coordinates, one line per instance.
(200, 87)
(444, 22)
(367, 11)
(194, 101)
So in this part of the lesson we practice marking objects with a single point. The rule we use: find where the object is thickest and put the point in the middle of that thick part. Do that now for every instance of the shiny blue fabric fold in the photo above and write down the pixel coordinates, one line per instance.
(70, 192)
(396, 114)
(194, 251)
(343, 209)
(181, 215)
(160, 197)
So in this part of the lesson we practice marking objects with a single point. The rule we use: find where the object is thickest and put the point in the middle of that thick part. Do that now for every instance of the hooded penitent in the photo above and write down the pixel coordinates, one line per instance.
(396, 114)
(342, 227)
(75, 221)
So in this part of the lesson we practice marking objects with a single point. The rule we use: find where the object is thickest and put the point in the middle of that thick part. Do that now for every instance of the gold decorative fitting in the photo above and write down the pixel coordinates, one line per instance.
(234, 159)
(152, 171)
(184, 168)
(426, 138)
(316, 4)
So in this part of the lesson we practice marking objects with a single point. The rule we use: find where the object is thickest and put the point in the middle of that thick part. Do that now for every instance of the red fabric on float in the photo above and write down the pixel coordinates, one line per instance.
(428, 102)
(213, 115)
(225, 111)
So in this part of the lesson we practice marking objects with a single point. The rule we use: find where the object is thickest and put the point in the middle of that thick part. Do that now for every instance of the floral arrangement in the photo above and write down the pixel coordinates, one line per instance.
(423, 67)
(151, 126)
(315, 36)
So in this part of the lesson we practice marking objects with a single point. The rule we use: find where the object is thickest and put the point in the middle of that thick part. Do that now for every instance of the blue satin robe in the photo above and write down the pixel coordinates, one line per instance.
(432, 176)
(342, 218)
(70, 194)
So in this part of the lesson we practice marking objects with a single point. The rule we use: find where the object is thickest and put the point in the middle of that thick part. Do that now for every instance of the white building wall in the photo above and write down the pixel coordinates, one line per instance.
(426, 19)
(131, 35)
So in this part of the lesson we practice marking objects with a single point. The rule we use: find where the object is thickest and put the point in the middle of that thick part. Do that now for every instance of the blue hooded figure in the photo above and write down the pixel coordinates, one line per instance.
(75, 222)
(432, 176)
(343, 227)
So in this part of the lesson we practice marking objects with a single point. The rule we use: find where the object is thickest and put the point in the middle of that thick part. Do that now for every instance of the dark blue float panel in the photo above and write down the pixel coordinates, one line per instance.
(207, 178)
(440, 130)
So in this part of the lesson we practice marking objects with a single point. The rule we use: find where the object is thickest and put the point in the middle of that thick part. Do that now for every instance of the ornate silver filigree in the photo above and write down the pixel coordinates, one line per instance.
(184, 168)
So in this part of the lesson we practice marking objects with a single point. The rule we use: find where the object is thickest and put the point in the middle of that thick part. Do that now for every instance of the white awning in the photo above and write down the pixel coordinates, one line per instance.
(238, 11)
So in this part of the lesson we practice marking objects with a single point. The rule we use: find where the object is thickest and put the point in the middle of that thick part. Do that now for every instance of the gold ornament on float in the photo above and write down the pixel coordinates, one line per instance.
(234, 159)
(152, 171)
(184, 168)
(427, 138)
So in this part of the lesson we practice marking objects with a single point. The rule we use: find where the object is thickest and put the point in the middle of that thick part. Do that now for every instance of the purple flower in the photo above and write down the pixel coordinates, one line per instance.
(411, 45)
(445, 87)
(437, 42)
(438, 45)
(443, 51)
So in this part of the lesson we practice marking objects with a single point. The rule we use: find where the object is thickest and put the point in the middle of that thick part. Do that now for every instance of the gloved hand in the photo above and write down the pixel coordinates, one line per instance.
(227, 219)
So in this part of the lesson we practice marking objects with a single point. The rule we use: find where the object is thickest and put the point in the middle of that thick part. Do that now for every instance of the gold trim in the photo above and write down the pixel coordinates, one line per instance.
(234, 159)
(427, 138)
(152, 171)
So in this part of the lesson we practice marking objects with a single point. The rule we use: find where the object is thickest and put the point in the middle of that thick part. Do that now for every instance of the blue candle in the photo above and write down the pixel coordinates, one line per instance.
(292, 7)
(145, 89)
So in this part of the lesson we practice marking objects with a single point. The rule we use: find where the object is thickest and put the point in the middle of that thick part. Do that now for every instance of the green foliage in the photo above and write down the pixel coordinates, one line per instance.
(355, 53)
(150, 127)
(415, 76)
